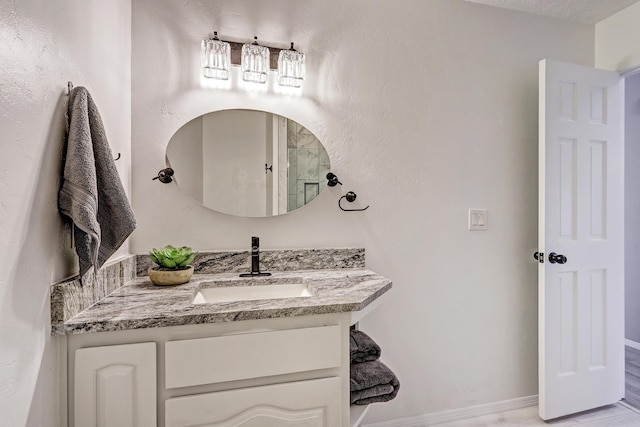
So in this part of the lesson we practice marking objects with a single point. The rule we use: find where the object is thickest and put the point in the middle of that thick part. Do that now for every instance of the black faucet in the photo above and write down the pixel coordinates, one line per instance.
(255, 259)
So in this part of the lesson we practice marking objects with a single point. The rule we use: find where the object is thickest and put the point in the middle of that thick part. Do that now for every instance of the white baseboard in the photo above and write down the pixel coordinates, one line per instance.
(632, 344)
(629, 407)
(459, 414)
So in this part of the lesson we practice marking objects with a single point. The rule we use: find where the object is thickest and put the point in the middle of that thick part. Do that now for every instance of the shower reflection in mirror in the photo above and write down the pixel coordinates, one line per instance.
(221, 161)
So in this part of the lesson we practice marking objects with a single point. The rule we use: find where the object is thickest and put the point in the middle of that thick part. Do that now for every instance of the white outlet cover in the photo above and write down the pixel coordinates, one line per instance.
(478, 219)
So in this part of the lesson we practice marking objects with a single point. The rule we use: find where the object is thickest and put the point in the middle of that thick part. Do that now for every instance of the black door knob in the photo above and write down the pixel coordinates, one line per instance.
(539, 256)
(557, 258)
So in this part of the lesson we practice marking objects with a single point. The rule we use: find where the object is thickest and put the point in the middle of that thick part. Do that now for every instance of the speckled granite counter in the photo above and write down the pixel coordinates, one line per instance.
(140, 304)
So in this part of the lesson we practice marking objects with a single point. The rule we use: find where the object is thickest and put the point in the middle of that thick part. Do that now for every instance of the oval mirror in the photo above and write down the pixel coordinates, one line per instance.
(248, 163)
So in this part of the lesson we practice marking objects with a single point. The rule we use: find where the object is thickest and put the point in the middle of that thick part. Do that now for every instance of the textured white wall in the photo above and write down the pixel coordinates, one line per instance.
(426, 108)
(43, 45)
(617, 46)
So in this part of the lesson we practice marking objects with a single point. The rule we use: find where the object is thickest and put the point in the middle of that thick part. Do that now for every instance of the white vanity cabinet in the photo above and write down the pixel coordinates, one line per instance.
(115, 386)
(195, 362)
(273, 372)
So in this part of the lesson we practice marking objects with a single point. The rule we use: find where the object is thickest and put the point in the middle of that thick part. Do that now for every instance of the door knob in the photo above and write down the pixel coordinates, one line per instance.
(539, 256)
(557, 258)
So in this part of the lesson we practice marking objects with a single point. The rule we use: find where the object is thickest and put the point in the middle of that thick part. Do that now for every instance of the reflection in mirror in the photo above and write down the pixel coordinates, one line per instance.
(248, 163)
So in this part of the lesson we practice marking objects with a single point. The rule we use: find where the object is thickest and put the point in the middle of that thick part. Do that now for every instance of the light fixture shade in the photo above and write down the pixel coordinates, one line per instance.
(291, 67)
(215, 57)
(255, 62)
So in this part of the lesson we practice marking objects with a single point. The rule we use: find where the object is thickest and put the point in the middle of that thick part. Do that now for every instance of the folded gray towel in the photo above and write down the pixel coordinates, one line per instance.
(92, 195)
(363, 348)
(372, 382)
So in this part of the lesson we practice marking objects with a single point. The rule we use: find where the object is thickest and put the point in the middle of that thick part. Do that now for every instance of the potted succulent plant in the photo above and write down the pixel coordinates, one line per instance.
(173, 265)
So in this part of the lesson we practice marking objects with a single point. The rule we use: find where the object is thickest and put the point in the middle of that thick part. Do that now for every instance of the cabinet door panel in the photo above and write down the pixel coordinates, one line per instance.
(115, 386)
(314, 403)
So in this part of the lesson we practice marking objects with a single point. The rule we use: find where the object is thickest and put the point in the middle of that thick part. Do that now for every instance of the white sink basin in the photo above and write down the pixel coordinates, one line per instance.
(250, 293)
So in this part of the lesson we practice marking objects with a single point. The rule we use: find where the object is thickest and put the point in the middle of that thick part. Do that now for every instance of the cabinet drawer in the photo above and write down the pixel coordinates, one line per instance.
(239, 357)
(314, 403)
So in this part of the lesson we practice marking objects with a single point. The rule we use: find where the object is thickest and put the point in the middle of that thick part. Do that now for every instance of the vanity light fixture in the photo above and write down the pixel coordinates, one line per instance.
(255, 62)
(291, 68)
(215, 57)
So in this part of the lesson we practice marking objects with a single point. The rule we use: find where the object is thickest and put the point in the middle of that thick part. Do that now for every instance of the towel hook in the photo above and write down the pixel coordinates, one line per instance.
(350, 196)
(117, 157)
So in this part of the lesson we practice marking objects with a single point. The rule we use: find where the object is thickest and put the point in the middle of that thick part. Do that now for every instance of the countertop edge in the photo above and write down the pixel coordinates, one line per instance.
(74, 327)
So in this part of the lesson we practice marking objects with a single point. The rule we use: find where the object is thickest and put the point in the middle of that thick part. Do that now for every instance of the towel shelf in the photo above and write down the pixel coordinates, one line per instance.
(357, 414)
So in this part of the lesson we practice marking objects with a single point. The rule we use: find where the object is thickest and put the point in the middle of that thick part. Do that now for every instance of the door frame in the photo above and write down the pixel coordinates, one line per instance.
(624, 74)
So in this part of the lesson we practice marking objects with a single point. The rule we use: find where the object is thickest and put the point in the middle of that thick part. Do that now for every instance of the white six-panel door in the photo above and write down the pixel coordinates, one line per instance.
(581, 323)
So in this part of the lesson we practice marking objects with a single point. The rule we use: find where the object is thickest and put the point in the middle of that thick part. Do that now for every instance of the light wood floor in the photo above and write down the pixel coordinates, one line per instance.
(608, 416)
(632, 375)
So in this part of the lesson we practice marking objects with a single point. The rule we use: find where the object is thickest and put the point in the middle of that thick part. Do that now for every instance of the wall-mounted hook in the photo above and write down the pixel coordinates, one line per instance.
(164, 176)
(268, 168)
(332, 180)
(117, 157)
(351, 197)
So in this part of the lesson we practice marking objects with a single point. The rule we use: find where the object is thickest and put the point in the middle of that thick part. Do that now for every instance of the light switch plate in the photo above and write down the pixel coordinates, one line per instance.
(478, 219)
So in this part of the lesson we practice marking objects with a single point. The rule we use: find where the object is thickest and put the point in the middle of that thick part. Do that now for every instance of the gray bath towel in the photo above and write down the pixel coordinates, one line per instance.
(92, 195)
(372, 382)
(362, 347)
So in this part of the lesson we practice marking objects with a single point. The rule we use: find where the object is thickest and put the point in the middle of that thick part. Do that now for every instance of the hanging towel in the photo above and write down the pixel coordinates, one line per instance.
(362, 347)
(92, 195)
(372, 382)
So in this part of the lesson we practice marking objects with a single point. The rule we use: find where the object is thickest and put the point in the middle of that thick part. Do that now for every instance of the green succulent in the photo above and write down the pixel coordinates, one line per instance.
(173, 258)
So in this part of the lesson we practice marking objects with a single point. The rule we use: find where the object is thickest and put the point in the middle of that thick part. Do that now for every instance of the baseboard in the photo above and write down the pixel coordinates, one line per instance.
(459, 414)
(629, 407)
(632, 344)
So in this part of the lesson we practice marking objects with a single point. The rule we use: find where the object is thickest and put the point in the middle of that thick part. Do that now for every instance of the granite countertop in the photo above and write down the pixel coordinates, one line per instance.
(140, 304)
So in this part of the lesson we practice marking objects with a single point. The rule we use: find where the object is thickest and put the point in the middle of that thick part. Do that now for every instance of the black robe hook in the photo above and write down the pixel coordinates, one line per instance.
(332, 180)
(164, 176)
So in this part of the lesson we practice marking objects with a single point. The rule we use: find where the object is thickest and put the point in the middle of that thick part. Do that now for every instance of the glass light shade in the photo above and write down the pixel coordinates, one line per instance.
(215, 56)
(255, 63)
(291, 68)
